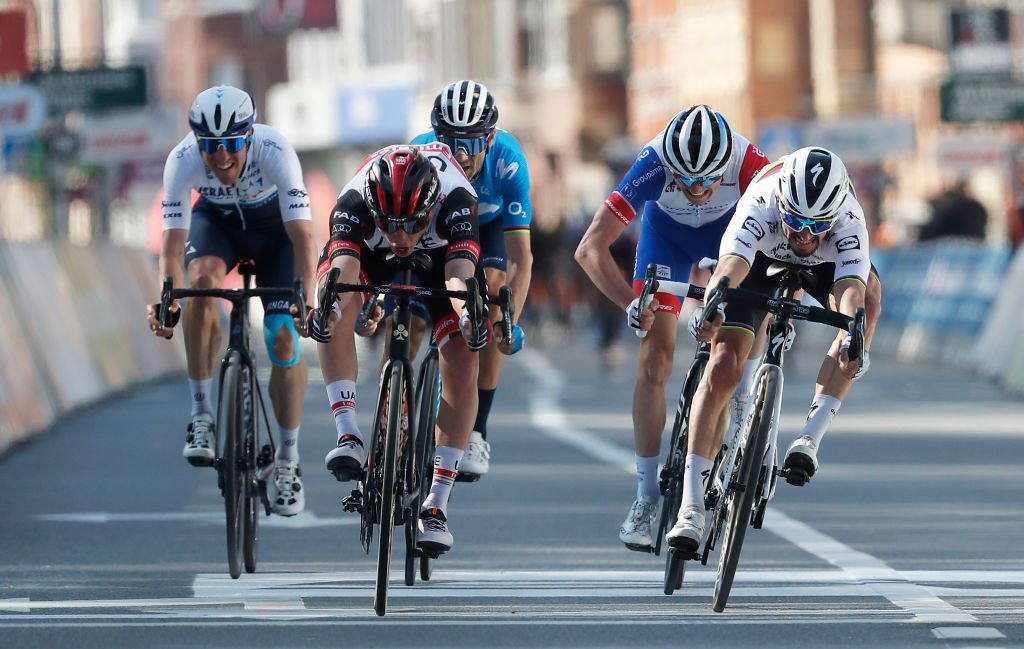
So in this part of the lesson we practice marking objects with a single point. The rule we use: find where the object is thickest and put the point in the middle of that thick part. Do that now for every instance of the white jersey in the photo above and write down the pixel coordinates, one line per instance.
(757, 227)
(271, 169)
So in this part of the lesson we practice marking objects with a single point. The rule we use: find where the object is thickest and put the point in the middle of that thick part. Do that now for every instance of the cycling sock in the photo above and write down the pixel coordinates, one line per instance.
(200, 389)
(342, 395)
(749, 369)
(446, 467)
(483, 411)
(819, 417)
(698, 469)
(288, 448)
(647, 478)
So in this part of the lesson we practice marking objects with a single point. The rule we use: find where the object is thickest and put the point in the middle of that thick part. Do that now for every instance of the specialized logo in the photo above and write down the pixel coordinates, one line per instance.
(851, 242)
(753, 227)
(816, 172)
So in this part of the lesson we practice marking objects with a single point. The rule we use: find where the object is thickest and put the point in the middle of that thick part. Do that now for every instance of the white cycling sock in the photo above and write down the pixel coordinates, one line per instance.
(698, 469)
(288, 448)
(647, 478)
(819, 417)
(446, 467)
(342, 395)
(202, 400)
(749, 369)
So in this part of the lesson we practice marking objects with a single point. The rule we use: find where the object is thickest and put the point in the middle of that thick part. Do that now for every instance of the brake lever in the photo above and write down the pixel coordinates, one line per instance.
(856, 349)
(165, 302)
(716, 299)
(299, 297)
(326, 297)
(649, 288)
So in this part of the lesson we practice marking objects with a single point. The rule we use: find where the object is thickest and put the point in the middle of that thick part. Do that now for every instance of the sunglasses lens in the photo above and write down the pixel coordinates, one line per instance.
(798, 223)
(703, 181)
(230, 144)
(471, 145)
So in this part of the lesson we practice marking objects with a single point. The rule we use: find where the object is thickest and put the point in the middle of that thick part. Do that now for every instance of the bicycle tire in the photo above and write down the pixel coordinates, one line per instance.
(389, 495)
(675, 568)
(427, 394)
(230, 424)
(741, 503)
(251, 513)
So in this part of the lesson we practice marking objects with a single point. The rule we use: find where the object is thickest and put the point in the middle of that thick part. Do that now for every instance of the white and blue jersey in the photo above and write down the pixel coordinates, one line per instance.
(503, 191)
(675, 233)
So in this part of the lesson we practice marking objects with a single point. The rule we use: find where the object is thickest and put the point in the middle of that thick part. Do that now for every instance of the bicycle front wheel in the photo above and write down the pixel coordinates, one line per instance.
(230, 424)
(427, 396)
(251, 494)
(743, 489)
(389, 492)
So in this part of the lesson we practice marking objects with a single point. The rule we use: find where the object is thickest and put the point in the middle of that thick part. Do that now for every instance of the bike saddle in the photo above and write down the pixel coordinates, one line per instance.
(418, 260)
(780, 267)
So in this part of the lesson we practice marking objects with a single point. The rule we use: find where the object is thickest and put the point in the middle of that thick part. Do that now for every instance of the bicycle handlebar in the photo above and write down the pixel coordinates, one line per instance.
(168, 294)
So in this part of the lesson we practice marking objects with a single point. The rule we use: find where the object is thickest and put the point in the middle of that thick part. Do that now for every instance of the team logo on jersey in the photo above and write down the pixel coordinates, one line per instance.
(441, 163)
(851, 242)
(297, 192)
(456, 214)
(344, 215)
(754, 228)
(340, 228)
(664, 272)
(507, 171)
(462, 227)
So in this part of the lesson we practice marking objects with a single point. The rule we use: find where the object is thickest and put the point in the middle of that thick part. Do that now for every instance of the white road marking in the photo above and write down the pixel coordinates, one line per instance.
(967, 633)
(549, 417)
(301, 520)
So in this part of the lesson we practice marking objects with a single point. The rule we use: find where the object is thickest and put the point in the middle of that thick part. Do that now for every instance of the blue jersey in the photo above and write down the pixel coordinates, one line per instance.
(503, 185)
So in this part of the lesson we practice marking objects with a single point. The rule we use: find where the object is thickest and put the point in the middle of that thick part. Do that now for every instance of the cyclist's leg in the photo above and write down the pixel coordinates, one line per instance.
(832, 385)
(339, 366)
(209, 253)
(275, 266)
(495, 264)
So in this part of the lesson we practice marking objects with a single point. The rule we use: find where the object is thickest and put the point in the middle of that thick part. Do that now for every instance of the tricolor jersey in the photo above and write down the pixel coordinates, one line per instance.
(453, 223)
(757, 227)
(503, 185)
(650, 180)
(271, 171)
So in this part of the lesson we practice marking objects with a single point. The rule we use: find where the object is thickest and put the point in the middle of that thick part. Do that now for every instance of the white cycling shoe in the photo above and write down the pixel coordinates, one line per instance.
(347, 459)
(637, 530)
(688, 531)
(199, 442)
(803, 455)
(291, 499)
(433, 535)
(476, 461)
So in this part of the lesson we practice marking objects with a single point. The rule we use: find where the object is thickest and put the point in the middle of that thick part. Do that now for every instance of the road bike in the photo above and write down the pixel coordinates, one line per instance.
(400, 458)
(744, 475)
(243, 461)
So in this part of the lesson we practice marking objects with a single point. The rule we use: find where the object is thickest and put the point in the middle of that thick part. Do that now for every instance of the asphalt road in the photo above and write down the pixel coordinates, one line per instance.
(912, 535)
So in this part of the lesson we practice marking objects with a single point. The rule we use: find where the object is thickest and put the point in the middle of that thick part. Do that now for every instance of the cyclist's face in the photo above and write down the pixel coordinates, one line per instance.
(226, 167)
(471, 165)
(403, 243)
(698, 194)
(802, 243)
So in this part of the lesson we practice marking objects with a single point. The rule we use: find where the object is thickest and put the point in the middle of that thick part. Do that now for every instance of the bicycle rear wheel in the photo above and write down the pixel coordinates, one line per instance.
(251, 495)
(389, 482)
(230, 424)
(740, 501)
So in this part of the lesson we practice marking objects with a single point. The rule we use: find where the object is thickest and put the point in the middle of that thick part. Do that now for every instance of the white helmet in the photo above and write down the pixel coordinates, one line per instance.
(697, 142)
(813, 183)
(221, 111)
(464, 108)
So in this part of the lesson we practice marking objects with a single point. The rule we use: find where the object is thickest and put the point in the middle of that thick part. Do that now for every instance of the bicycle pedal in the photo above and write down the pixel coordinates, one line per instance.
(353, 502)
(796, 476)
(684, 555)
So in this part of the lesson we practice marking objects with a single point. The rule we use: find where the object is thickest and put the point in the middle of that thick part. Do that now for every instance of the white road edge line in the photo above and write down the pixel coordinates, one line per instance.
(548, 416)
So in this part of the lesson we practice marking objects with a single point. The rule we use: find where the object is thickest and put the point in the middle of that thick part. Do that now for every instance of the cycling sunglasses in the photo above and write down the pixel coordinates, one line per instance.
(411, 225)
(231, 144)
(471, 145)
(797, 223)
(690, 181)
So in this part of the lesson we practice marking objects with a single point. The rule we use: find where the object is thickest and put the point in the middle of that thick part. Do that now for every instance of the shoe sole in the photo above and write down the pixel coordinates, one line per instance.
(432, 548)
(683, 544)
(197, 460)
(345, 469)
(468, 477)
(801, 461)
(636, 547)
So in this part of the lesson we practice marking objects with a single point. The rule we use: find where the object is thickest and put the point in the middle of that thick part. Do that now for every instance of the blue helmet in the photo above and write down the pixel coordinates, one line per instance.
(221, 111)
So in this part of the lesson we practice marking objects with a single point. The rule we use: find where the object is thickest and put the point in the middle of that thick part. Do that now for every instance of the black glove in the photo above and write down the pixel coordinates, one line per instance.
(479, 336)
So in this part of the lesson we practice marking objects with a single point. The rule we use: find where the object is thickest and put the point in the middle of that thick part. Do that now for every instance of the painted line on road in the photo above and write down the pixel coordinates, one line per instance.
(550, 418)
(304, 519)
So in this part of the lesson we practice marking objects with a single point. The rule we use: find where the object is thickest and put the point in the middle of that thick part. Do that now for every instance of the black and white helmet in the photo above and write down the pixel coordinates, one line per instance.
(221, 111)
(813, 183)
(464, 108)
(697, 142)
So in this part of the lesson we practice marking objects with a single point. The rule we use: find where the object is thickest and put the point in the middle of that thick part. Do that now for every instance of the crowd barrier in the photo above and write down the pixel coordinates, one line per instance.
(74, 330)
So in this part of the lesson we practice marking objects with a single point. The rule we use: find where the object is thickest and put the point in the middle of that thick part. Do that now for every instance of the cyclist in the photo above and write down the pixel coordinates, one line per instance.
(252, 204)
(800, 210)
(688, 180)
(465, 117)
(406, 198)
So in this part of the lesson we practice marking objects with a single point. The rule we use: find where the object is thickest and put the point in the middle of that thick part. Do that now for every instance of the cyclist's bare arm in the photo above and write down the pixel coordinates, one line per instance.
(301, 234)
(520, 268)
(849, 296)
(456, 271)
(171, 264)
(595, 257)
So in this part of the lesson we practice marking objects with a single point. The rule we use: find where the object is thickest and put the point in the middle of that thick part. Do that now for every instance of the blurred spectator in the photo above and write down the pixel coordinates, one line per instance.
(955, 213)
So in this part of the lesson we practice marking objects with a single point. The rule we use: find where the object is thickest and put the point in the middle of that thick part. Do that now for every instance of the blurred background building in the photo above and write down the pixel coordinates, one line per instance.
(917, 96)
